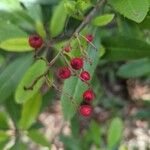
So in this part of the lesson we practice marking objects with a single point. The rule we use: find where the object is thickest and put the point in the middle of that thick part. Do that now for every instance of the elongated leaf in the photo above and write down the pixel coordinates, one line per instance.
(11, 76)
(9, 31)
(58, 20)
(103, 20)
(10, 5)
(3, 121)
(38, 138)
(135, 10)
(95, 133)
(115, 132)
(19, 145)
(16, 45)
(125, 48)
(32, 73)
(3, 136)
(135, 69)
(30, 111)
(36, 15)
(75, 87)
(13, 109)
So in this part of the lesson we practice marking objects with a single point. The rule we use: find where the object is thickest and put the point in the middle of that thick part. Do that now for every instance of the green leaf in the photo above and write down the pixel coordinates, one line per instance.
(134, 69)
(38, 138)
(58, 20)
(10, 5)
(75, 86)
(103, 19)
(12, 74)
(13, 109)
(3, 121)
(36, 15)
(30, 111)
(19, 145)
(125, 48)
(115, 132)
(2, 59)
(135, 10)
(32, 73)
(95, 133)
(9, 31)
(16, 45)
(3, 136)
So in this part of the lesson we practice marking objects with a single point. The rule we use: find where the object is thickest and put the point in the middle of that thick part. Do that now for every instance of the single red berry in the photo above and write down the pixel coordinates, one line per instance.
(88, 95)
(64, 72)
(89, 37)
(35, 41)
(85, 76)
(85, 110)
(77, 63)
(67, 48)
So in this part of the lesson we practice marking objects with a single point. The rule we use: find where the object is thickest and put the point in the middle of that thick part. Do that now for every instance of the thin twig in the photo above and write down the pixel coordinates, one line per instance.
(89, 17)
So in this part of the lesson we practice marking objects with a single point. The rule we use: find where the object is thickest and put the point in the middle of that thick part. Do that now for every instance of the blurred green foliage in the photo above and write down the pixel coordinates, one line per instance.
(122, 37)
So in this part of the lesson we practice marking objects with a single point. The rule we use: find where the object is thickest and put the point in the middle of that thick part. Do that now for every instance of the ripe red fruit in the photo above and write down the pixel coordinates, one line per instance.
(67, 48)
(88, 95)
(85, 76)
(64, 72)
(35, 41)
(89, 37)
(85, 110)
(77, 63)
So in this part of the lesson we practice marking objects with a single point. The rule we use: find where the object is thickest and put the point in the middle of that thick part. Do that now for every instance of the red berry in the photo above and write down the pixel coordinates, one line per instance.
(64, 72)
(67, 48)
(85, 110)
(85, 76)
(77, 63)
(35, 41)
(88, 95)
(89, 37)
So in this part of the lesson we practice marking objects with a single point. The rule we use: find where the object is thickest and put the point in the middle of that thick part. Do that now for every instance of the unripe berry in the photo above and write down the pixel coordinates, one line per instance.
(85, 76)
(89, 37)
(88, 95)
(85, 110)
(35, 41)
(67, 48)
(64, 72)
(77, 63)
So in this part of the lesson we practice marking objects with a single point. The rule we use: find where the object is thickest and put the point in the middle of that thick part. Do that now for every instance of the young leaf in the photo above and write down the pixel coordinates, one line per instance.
(38, 138)
(125, 48)
(103, 20)
(30, 111)
(16, 45)
(58, 20)
(11, 76)
(133, 69)
(32, 73)
(115, 132)
(135, 10)
(75, 86)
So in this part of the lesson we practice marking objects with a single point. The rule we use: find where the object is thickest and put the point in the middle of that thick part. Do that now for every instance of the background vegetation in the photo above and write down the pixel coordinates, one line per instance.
(120, 74)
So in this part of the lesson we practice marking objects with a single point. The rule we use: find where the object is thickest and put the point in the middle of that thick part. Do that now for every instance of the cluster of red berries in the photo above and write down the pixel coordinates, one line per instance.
(65, 72)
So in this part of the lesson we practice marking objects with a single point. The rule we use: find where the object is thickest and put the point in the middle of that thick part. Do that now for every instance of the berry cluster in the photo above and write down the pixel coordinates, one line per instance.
(73, 67)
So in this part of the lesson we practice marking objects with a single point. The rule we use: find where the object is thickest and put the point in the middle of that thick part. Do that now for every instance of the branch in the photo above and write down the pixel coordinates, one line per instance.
(89, 17)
